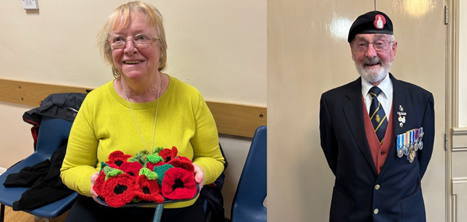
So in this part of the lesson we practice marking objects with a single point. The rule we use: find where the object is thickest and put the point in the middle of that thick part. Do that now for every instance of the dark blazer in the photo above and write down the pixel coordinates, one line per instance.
(359, 193)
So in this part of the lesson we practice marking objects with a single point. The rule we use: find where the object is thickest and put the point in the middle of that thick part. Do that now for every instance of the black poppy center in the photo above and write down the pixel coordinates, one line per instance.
(120, 188)
(178, 184)
(131, 173)
(168, 159)
(146, 190)
(118, 162)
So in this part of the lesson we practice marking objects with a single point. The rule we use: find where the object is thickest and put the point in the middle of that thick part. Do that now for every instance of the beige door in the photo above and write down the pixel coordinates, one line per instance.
(456, 115)
(307, 55)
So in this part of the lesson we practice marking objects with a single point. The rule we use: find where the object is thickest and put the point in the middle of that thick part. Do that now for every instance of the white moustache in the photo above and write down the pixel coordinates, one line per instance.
(372, 61)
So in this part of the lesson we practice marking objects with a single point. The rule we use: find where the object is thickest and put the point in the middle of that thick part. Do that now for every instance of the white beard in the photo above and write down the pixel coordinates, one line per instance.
(373, 74)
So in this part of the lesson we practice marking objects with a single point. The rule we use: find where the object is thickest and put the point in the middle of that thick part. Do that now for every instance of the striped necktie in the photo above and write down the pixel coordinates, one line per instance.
(377, 115)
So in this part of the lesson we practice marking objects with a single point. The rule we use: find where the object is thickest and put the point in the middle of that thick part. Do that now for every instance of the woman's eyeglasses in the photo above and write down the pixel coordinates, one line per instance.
(139, 40)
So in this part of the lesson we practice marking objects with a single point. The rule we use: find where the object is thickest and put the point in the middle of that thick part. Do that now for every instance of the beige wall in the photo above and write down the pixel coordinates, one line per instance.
(217, 46)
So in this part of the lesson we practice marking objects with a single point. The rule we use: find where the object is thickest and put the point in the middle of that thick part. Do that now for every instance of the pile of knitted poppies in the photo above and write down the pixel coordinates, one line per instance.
(153, 177)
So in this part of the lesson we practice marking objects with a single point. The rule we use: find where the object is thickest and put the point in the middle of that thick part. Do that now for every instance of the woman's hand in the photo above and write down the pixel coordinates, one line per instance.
(199, 176)
(93, 193)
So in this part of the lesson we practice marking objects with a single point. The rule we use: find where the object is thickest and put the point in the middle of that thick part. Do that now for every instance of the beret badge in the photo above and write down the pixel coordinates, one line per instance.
(379, 22)
(373, 22)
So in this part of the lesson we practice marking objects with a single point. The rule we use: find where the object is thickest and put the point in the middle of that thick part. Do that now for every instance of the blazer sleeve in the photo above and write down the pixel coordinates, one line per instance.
(424, 155)
(327, 135)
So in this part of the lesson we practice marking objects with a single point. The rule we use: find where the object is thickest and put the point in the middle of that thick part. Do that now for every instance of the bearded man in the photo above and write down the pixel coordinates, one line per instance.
(376, 132)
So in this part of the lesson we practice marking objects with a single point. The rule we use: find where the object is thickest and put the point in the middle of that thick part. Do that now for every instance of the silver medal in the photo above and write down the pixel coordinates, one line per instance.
(400, 153)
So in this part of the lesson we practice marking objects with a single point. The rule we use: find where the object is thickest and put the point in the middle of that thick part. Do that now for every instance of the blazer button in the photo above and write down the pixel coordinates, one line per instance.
(377, 186)
(376, 211)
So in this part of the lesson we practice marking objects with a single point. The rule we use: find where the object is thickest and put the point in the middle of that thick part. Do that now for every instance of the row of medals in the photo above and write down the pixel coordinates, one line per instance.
(409, 142)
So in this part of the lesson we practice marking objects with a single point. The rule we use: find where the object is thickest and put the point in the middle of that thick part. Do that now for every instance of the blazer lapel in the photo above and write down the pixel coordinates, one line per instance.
(398, 100)
(353, 111)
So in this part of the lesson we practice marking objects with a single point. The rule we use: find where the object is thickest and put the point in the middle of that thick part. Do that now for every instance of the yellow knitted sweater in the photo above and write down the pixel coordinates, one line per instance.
(104, 124)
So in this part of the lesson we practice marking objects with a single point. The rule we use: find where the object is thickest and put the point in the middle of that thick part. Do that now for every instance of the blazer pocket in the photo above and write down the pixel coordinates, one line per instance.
(340, 206)
(413, 208)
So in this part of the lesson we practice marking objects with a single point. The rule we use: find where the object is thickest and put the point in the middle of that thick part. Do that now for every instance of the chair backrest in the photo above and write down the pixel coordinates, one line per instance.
(252, 187)
(52, 132)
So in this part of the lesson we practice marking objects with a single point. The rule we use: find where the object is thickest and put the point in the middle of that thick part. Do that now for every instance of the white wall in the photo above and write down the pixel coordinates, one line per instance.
(217, 46)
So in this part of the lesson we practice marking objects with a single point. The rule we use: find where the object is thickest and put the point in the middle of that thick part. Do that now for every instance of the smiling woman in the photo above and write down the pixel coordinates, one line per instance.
(151, 20)
(141, 109)
(138, 65)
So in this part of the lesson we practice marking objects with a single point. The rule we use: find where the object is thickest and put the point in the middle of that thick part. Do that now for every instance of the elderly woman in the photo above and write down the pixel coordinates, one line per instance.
(140, 109)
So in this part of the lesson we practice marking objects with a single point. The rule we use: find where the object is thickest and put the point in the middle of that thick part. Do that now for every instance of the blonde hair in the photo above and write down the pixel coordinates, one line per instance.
(120, 18)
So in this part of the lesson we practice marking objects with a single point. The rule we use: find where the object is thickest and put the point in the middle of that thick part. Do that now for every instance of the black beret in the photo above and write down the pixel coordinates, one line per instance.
(370, 22)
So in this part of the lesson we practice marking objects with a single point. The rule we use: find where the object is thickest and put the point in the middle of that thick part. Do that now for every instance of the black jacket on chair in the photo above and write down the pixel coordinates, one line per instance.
(44, 181)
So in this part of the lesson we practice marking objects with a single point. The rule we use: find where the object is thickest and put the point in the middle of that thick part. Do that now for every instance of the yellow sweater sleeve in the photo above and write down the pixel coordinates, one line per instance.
(206, 143)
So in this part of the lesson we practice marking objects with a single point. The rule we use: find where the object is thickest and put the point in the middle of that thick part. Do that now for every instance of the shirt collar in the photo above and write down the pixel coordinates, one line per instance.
(385, 86)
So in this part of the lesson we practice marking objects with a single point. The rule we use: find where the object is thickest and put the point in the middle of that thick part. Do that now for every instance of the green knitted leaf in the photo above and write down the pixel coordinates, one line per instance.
(103, 164)
(154, 158)
(140, 157)
(149, 174)
(111, 172)
(107, 169)
(160, 170)
(143, 153)
(157, 149)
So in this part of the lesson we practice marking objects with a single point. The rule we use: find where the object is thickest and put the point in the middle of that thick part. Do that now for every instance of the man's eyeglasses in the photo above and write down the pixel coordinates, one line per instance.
(362, 46)
(139, 40)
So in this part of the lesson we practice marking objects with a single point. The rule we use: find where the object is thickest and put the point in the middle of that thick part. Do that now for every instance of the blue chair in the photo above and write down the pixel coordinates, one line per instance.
(52, 132)
(252, 188)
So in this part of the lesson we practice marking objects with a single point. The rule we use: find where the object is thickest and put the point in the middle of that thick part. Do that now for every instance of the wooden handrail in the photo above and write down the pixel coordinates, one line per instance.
(231, 119)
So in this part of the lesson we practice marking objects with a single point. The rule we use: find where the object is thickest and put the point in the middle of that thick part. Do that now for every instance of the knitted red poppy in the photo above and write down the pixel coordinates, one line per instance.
(117, 158)
(178, 184)
(184, 163)
(183, 158)
(147, 176)
(99, 183)
(131, 168)
(168, 154)
(160, 170)
(118, 191)
(149, 190)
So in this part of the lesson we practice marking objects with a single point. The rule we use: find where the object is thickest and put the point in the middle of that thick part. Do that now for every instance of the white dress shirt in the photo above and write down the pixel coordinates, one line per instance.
(385, 97)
